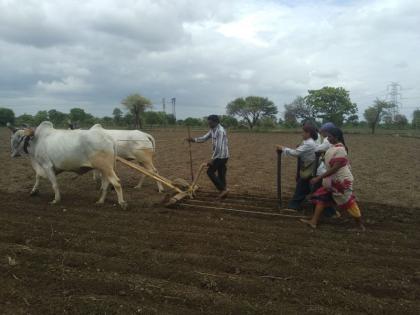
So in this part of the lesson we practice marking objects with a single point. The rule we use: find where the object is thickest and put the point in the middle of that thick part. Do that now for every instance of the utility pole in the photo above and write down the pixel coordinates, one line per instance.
(394, 97)
(164, 105)
(173, 100)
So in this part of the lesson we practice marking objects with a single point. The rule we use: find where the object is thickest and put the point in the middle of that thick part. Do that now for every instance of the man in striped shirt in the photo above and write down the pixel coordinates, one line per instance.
(218, 162)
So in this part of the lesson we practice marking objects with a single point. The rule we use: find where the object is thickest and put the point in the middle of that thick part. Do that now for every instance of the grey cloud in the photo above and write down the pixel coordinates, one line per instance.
(93, 54)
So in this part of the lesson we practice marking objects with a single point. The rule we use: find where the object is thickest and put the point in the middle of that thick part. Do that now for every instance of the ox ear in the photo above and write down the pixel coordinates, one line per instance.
(29, 132)
(26, 126)
(12, 128)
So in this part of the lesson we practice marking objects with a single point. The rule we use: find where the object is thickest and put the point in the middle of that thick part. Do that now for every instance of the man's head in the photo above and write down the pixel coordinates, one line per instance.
(213, 121)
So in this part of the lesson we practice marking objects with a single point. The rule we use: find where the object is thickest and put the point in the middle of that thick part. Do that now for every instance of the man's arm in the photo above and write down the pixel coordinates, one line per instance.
(298, 151)
(204, 138)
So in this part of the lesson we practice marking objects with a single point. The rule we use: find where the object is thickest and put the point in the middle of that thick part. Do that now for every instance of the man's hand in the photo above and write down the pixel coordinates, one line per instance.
(279, 147)
(190, 139)
(315, 180)
(210, 163)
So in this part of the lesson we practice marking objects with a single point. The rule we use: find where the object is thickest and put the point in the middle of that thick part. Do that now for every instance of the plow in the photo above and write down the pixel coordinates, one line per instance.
(187, 195)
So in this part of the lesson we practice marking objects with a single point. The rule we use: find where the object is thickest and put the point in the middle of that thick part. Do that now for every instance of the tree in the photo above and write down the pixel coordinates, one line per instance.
(6, 116)
(80, 116)
(268, 122)
(170, 118)
(117, 114)
(374, 114)
(136, 104)
(252, 109)
(40, 116)
(228, 121)
(416, 119)
(57, 118)
(331, 104)
(300, 109)
(25, 119)
(193, 122)
(400, 121)
(154, 118)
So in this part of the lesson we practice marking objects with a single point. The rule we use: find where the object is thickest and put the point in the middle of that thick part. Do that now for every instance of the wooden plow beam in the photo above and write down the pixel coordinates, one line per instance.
(188, 192)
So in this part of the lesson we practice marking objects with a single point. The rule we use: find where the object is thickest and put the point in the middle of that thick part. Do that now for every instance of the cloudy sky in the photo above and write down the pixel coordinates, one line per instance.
(92, 53)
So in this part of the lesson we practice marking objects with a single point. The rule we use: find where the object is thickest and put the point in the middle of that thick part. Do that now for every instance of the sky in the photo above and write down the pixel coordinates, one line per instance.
(93, 53)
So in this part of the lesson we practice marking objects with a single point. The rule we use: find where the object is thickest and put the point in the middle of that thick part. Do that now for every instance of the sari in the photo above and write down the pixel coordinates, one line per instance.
(336, 189)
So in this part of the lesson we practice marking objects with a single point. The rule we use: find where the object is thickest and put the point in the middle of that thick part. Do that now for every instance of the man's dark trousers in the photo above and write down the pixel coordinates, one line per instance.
(219, 180)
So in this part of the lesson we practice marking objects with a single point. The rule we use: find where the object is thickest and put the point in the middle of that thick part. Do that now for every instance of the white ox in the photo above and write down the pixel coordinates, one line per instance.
(136, 145)
(53, 151)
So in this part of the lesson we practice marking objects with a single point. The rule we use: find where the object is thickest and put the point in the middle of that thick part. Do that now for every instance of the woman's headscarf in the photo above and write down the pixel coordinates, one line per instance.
(327, 126)
(338, 134)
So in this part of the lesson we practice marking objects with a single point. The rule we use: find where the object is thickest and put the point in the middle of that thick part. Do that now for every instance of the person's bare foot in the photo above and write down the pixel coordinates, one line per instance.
(224, 194)
(308, 222)
(336, 215)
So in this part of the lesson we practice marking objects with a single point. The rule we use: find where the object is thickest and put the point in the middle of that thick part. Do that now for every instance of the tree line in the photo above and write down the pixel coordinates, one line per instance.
(326, 104)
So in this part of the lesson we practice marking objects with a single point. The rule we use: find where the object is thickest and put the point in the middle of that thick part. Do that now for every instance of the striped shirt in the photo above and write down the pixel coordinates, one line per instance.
(219, 140)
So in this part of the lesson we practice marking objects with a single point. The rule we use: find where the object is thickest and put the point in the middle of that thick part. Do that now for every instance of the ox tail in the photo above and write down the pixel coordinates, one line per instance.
(115, 154)
(152, 140)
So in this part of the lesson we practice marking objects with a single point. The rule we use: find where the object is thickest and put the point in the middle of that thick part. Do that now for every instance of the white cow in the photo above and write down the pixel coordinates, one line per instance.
(136, 145)
(53, 151)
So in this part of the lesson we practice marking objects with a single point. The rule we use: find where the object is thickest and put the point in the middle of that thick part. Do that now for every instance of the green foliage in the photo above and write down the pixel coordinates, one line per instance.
(376, 113)
(58, 118)
(193, 122)
(416, 119)
(251, 109)
(81, 117)
(299, 109)
(118, 115)
(25, 119)
(331, 104)
(136, 104)
(267, 123)
(171, 119)
(229, 121)
(400, 121)
(6, 116)
(40, 116)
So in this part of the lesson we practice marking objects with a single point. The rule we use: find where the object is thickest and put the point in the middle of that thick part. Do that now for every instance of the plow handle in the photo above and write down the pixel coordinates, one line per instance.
(279, 198)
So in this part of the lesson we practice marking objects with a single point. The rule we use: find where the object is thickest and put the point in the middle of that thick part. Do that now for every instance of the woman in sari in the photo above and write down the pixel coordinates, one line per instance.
(337, 182)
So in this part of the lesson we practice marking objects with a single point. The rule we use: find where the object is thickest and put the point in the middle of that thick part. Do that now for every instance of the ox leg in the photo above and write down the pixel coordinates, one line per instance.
(35, 190)
(150, 167)
(141, 181)
(104, 190)
(115, 181)
(53, 179)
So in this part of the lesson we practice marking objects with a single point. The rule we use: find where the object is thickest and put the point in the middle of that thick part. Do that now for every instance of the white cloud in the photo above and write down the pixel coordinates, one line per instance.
(93, 53)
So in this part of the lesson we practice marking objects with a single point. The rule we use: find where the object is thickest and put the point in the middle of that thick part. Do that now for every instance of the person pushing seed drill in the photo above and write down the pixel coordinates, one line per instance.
(220, 154)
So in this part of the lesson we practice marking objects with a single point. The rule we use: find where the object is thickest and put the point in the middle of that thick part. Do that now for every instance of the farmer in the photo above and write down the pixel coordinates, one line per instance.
(220, 154)
(337, 182)
(306, 154)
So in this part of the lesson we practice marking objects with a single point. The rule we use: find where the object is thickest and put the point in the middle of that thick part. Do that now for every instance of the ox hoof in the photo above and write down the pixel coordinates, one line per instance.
(54, 202)
(137, 187)
(34, 193)
(124, 205)
(99, 202)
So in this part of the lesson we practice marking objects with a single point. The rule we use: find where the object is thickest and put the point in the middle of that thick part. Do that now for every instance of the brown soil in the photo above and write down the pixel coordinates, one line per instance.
(78, 258)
